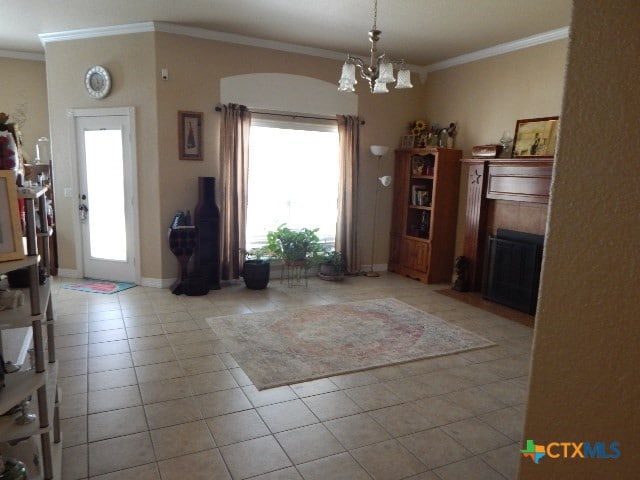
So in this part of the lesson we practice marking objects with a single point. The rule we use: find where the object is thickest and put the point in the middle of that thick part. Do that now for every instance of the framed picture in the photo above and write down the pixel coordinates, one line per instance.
(536, 137)
(407, 141)
(10, 230)
(190, 135)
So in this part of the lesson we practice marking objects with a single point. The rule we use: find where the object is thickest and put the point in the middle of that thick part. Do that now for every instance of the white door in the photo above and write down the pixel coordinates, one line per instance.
(106, 197)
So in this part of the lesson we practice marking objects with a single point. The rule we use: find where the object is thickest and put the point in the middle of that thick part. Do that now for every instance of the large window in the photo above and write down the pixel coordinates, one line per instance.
(293, 178)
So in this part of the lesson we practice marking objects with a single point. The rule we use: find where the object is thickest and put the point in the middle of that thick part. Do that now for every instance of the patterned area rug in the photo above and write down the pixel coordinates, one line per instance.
(290, 346)
(99, 286)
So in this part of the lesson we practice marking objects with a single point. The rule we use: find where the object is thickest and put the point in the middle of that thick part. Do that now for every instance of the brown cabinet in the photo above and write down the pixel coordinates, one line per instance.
(425, 210)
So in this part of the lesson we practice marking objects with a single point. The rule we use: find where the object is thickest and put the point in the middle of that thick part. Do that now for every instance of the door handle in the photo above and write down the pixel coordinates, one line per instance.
(83, 211)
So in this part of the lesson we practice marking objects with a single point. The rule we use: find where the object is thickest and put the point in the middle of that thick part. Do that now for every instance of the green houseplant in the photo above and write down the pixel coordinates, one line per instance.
(331, 265)
(294, 247)
(257, 268)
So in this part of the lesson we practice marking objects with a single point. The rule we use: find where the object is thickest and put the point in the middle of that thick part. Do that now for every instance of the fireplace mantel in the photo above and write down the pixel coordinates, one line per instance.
(518, 180)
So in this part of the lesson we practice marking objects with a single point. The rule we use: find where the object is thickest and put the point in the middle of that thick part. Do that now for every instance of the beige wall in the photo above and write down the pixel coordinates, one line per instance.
(584, 384)
(23, 88)
(129, 58)
(487, 97)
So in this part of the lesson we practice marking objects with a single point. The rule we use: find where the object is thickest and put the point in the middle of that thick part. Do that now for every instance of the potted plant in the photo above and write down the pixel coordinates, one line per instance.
(257, 268)
(294, 247)
(331, 266)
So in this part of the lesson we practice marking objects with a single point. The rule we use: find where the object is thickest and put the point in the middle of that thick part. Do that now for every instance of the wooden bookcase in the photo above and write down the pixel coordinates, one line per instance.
(425, 211)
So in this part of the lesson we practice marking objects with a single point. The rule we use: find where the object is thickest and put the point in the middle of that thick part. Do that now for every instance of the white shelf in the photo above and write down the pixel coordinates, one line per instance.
(21, 316)
(9, 430)
(33, 192)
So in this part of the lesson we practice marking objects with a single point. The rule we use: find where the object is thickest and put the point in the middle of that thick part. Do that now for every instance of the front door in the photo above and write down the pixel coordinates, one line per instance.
(106, 197)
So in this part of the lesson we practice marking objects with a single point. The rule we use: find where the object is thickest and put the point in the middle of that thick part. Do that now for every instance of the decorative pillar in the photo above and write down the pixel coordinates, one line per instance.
(475, 223)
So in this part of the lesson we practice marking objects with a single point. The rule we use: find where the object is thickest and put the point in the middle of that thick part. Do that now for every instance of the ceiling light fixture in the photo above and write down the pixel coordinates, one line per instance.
(379, 72)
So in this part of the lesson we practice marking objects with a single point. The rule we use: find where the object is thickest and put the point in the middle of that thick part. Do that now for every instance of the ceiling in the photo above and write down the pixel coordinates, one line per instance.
(423, 32)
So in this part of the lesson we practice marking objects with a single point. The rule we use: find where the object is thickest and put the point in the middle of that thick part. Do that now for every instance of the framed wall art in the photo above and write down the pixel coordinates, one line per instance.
(190, 135)
(10, 230)
(407, 141)
(536, 137)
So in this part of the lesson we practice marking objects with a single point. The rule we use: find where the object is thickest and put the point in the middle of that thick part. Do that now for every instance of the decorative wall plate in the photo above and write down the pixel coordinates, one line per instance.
(97, 81)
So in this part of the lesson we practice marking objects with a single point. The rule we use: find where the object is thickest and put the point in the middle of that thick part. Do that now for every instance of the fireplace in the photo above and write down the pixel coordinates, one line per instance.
(512, 270)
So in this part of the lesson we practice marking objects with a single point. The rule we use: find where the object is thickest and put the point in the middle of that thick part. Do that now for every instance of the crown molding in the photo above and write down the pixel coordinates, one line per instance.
(172, 28)
(38, 57)
(527, 42)
(96, 32)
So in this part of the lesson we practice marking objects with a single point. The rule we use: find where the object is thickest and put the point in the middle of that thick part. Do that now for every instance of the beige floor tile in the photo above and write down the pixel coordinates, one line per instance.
(314, 387)
(74, 431)
(269, 396)
(193, 350)
(241, 378)
(143, 472)
(434, 447)
(289, 473)
(357, 431)
(408, 389)
(197, 365)
(441, 410)
(73, 405)
(113, 399)
(104, 325)
(471, 468)
(144, 343)
(72, 385)
(400, 420)
(336, 467)
(119, 453)
(159, 371)
(108, 348)
(105, 315)
(178, 327)
(356, 379)
(507, 421)
(308, 443)
(131, 319)
(72, 340)
(116, 423)
(164, 390)
(110, 362)
(504, 460)
(152, 356)
(173, 412)
(332, 405)
(476, 400)
(254, 457)
(212, 382)
(72, 353)
(237, 427)
(388, 461)
(181, 439)
(205, 465)
(71, 328)
(372, 397)
(144, 330)
(72, 368)
(287, 415)
(107, 335)
(443, 382)
(477, 374)
(74, 462)
(112, 379)
(476, 436)
(228, 360)
(511, 392)
(222, 402)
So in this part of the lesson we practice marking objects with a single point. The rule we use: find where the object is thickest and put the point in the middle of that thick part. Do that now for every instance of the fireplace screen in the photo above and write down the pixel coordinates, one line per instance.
(513, 267)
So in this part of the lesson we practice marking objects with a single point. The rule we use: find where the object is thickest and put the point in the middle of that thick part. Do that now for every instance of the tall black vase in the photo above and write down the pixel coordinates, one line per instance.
(206, 217)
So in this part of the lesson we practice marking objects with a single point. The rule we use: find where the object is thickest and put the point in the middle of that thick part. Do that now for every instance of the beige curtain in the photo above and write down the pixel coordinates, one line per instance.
(234, 168)
(349, 138)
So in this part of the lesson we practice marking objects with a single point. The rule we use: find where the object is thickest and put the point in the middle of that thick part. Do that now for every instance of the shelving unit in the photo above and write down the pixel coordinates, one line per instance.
(37, 313)
(425, 209)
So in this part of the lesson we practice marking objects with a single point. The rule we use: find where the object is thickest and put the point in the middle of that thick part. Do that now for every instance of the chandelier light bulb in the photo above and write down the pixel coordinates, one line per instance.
(404, 79)
(386, 73)
(380, 87)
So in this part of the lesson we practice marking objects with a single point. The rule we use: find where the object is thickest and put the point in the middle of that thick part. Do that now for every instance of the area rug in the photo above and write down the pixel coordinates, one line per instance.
(99, 286)
(291, 346)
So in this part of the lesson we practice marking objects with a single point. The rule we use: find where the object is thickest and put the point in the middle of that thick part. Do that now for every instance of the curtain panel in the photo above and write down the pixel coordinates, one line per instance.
(234, 169)
(346, 229)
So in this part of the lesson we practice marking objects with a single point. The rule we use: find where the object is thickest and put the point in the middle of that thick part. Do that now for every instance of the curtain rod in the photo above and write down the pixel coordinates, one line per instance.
(291, 115)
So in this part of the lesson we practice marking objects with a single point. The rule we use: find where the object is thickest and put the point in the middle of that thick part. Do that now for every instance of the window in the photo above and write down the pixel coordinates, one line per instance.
(293, 178)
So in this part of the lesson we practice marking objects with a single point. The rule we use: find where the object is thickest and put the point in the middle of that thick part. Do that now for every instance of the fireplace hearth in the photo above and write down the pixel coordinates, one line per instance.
(512, 271)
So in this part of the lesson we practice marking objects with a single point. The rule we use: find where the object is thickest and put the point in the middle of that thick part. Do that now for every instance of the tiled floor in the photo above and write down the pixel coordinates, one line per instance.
(150, 393)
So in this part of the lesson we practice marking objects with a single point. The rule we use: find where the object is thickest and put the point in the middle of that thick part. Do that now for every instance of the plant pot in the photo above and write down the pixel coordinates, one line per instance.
(330, 272)
(256, 274)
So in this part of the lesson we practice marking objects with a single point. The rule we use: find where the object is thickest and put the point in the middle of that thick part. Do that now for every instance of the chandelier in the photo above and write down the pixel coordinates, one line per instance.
(379, 72)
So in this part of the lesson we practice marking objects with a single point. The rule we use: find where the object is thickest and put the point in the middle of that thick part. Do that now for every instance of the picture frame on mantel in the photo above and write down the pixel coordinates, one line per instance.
(190, 135)
(10, 229)
(536, 137)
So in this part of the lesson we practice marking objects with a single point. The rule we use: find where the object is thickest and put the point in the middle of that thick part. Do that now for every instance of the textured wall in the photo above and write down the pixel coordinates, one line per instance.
(584, 382)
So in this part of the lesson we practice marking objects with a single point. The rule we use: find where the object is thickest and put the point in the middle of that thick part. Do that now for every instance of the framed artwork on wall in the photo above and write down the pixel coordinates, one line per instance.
(10, 230)
(190, 135)
(536, 137)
